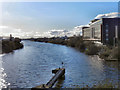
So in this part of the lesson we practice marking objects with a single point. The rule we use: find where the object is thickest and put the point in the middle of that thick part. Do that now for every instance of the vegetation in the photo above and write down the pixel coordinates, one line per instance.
(110, 52)
(9, 46)
(84, 46)
(76, 41)
(88, 47)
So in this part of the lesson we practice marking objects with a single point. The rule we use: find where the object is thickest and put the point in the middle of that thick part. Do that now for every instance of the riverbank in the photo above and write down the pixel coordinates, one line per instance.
(8, 46)
(106, 52)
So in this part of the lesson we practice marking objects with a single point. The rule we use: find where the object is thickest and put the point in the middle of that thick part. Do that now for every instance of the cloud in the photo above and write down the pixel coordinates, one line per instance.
(1, 27)
(60, 33)
(5, 31)
(55, 33)
(77, 30)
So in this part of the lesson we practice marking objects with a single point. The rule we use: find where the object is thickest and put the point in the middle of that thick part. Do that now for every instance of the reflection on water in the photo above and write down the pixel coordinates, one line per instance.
(32, 66)
(3, 83)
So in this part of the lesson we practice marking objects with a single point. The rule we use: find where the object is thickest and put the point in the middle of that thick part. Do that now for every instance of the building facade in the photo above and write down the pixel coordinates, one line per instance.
(110, 30)
(105, 30)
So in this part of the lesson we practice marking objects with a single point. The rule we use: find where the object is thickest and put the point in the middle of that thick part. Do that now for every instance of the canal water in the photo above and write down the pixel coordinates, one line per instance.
(32, 66)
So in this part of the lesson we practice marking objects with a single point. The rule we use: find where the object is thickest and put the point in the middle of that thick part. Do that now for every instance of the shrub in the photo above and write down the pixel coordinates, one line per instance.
(114, 53)
(91, 49)
(105, 52)
(17, 40)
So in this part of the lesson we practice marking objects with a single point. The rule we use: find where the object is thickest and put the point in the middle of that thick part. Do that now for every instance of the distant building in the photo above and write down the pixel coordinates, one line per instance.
(85, 32)
(105, 30)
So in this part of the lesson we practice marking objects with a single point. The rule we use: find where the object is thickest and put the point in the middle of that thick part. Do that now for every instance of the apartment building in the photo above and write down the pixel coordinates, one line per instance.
(105, 30)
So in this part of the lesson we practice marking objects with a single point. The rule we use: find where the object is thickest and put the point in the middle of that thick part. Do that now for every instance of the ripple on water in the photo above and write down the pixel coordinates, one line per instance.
(3, 83)
(36, 61)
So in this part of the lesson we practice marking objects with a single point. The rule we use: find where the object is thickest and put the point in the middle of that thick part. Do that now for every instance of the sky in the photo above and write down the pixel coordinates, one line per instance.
(59, 0)
(44, 16)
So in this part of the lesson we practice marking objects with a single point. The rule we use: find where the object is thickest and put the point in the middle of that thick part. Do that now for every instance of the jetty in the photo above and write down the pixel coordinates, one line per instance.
(59, 72)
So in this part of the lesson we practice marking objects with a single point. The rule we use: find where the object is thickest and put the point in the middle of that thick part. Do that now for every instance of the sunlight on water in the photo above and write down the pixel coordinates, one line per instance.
(3, 83)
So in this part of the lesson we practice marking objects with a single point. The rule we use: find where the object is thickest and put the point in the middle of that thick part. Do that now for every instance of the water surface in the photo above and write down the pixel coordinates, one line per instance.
(32, 66)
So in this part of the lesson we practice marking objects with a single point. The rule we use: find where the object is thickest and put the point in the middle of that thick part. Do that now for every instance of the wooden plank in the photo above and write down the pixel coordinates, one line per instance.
(58, 73)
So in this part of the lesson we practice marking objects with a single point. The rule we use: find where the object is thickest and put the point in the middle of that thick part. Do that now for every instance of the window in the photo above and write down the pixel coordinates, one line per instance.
(106, 39)
(106, 26)
(106, 34)
(106, 30)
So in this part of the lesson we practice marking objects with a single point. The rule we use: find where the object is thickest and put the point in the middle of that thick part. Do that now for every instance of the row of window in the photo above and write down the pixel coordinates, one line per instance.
(106, 33)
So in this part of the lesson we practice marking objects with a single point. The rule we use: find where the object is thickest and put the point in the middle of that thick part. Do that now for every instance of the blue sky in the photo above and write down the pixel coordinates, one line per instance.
(44, 16)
